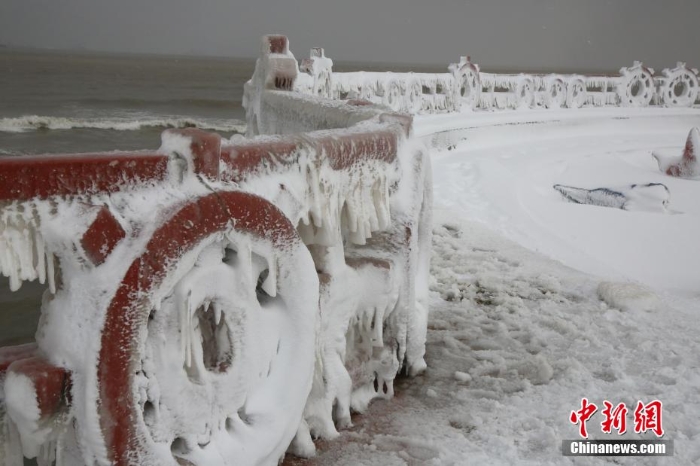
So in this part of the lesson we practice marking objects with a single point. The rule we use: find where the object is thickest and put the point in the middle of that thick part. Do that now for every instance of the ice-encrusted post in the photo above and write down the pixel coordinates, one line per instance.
(467, 86)
(320, 69)
(276, 68)
(679, 86)
(636, 87)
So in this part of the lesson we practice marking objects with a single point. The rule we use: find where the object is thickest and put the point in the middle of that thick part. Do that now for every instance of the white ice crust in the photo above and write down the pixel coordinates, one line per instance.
(300, 364)
(466, 88)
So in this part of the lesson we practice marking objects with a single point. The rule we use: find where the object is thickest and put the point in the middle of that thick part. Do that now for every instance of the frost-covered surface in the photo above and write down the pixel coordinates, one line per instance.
(465, 87)
(272, 109)
(516, 339)
(316, 76)
(513, 91)
(271, 373)
(405, 92)
(373, 278)
(288, 113)
(277, 70)
(214, 376)
(503, 175)
(679, 86)
(35, 434)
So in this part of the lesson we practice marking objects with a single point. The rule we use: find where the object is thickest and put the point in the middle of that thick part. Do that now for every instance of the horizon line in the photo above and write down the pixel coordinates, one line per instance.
(194, 56)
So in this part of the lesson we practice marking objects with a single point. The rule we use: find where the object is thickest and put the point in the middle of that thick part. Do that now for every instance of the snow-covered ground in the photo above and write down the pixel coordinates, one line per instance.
(518, 331)
(503, 174)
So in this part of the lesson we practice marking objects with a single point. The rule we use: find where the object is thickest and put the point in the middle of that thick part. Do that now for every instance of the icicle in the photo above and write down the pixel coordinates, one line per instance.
(185, 330)
(50, 272)
(378, 192)
(378, 336)
(46, 455)
(15, 282)
(351, 214)
(59, 452)
(41, 258)
(366, 323)
(270, 283)
(217, 312)
(305, 217)
(312, 181)
(372, 215)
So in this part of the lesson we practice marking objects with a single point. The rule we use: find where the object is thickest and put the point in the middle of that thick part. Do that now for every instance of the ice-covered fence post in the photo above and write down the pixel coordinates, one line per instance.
(467, 83)
(576, 92)
(276, 68)
(320, 68)
(553, 94)
(679, 86)
(10, 444)
(36, 394)
(636, 88)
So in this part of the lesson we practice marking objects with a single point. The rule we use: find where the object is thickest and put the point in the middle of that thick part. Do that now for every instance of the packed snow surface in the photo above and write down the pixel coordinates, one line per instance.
(537, 302)
(503, 172)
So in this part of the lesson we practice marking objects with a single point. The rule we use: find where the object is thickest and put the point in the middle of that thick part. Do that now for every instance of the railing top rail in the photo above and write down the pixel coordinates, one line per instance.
(43, 176)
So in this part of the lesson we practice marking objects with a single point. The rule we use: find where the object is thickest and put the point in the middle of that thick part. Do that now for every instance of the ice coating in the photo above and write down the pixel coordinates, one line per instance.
(466, 87)
(66, 313)
(360, 199)
(343, 187)
(355, 225)
(318, 68)
(289, 113)
(405, 92)
(326, 203)
(24, 250)
(679, 88)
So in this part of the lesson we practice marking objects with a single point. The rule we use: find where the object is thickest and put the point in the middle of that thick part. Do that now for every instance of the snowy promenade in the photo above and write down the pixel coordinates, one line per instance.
(518, 332)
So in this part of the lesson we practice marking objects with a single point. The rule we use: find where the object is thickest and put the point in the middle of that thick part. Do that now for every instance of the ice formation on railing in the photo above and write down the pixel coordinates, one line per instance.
(366, 224)
(319, 69)
(403, 92)
(466, 87)
(679, 86)
(23, 254)
(206, 322)
(328, 200)
(25, 248)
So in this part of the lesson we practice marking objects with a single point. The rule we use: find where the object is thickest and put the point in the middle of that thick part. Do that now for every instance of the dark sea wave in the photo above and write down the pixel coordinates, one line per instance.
(38, 123)
(150, 103)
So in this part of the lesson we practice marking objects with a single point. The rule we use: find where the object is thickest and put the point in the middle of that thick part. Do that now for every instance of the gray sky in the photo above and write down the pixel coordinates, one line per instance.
(520, 34)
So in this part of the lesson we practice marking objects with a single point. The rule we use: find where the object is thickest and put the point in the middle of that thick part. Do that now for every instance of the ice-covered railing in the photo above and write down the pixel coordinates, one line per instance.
(217, 301)
(466, 87)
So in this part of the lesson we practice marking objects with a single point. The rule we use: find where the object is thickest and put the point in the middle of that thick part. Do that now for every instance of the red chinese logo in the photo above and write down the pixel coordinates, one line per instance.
(615, 418)
(647, 417)
(582, 415)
